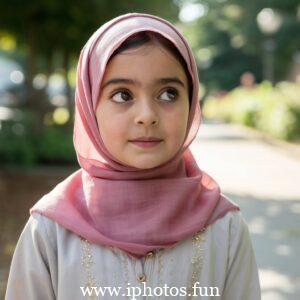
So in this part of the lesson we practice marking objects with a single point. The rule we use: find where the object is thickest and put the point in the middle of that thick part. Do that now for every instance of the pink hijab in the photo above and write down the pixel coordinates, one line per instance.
(112, 204)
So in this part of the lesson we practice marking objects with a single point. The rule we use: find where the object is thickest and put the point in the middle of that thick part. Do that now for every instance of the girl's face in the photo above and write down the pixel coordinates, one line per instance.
(144, 92)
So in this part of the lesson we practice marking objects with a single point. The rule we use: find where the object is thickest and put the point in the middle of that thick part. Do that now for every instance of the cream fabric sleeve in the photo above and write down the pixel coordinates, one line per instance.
(34, 264)
(242, 279)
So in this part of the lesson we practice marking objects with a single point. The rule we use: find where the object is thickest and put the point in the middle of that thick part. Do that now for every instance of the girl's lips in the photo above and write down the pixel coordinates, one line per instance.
(146, 144)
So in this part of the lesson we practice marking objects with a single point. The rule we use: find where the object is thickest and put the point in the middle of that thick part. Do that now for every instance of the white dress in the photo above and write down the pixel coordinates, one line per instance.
(51, 262)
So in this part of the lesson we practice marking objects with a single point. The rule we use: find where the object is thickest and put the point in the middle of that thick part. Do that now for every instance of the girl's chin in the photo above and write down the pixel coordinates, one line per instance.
(144, 164)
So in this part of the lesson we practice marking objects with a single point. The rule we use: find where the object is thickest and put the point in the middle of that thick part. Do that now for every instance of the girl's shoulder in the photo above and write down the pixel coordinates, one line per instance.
(233, 219)
(43, 229)
(231, 229)
(231, 223)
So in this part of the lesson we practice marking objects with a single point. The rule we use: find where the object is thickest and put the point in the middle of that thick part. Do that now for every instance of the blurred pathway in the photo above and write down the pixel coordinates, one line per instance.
(265, 182)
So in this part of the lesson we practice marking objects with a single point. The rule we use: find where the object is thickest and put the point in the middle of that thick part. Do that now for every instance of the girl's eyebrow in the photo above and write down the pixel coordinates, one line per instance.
(136, 82)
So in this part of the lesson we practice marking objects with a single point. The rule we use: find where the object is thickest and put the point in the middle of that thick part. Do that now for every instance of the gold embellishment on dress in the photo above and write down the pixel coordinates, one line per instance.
(150, 254)
(87, 262)
(149, 258)
(142, 278)
(196, 260)
(145, 261)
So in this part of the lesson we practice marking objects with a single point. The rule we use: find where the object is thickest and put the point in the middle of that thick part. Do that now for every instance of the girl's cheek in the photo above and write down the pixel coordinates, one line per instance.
(117, 128)
(178, 118)
(178, 129)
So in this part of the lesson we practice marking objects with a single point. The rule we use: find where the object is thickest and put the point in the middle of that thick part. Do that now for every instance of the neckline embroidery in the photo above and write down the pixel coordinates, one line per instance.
(197, 260)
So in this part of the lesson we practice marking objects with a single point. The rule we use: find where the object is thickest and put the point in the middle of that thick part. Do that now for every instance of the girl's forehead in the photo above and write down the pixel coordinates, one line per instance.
(149, 75)
(144, 60)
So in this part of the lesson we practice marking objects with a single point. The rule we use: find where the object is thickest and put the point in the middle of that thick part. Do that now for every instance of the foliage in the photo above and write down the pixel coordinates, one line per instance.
(21, 145)
(272, 110)
(56, 146)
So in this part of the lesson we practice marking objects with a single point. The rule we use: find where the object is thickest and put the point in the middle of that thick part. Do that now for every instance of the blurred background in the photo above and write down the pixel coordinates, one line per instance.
(248, 57)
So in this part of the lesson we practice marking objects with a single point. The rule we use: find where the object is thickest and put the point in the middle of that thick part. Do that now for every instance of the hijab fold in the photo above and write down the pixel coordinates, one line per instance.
(113, 204)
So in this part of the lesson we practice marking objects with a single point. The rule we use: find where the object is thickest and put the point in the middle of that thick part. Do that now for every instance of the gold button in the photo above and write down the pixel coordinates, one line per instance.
(141, 277)
(150, 254)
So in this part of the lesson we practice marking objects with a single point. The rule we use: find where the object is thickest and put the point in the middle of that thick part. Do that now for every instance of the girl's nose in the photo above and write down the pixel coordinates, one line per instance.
(146, 113)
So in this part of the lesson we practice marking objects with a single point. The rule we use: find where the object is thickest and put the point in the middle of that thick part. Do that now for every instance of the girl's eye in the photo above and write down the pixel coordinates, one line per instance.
(172, 93)
(121, 95)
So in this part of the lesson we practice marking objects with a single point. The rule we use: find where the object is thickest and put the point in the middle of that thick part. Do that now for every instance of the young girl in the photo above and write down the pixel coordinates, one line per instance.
(139, 219)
